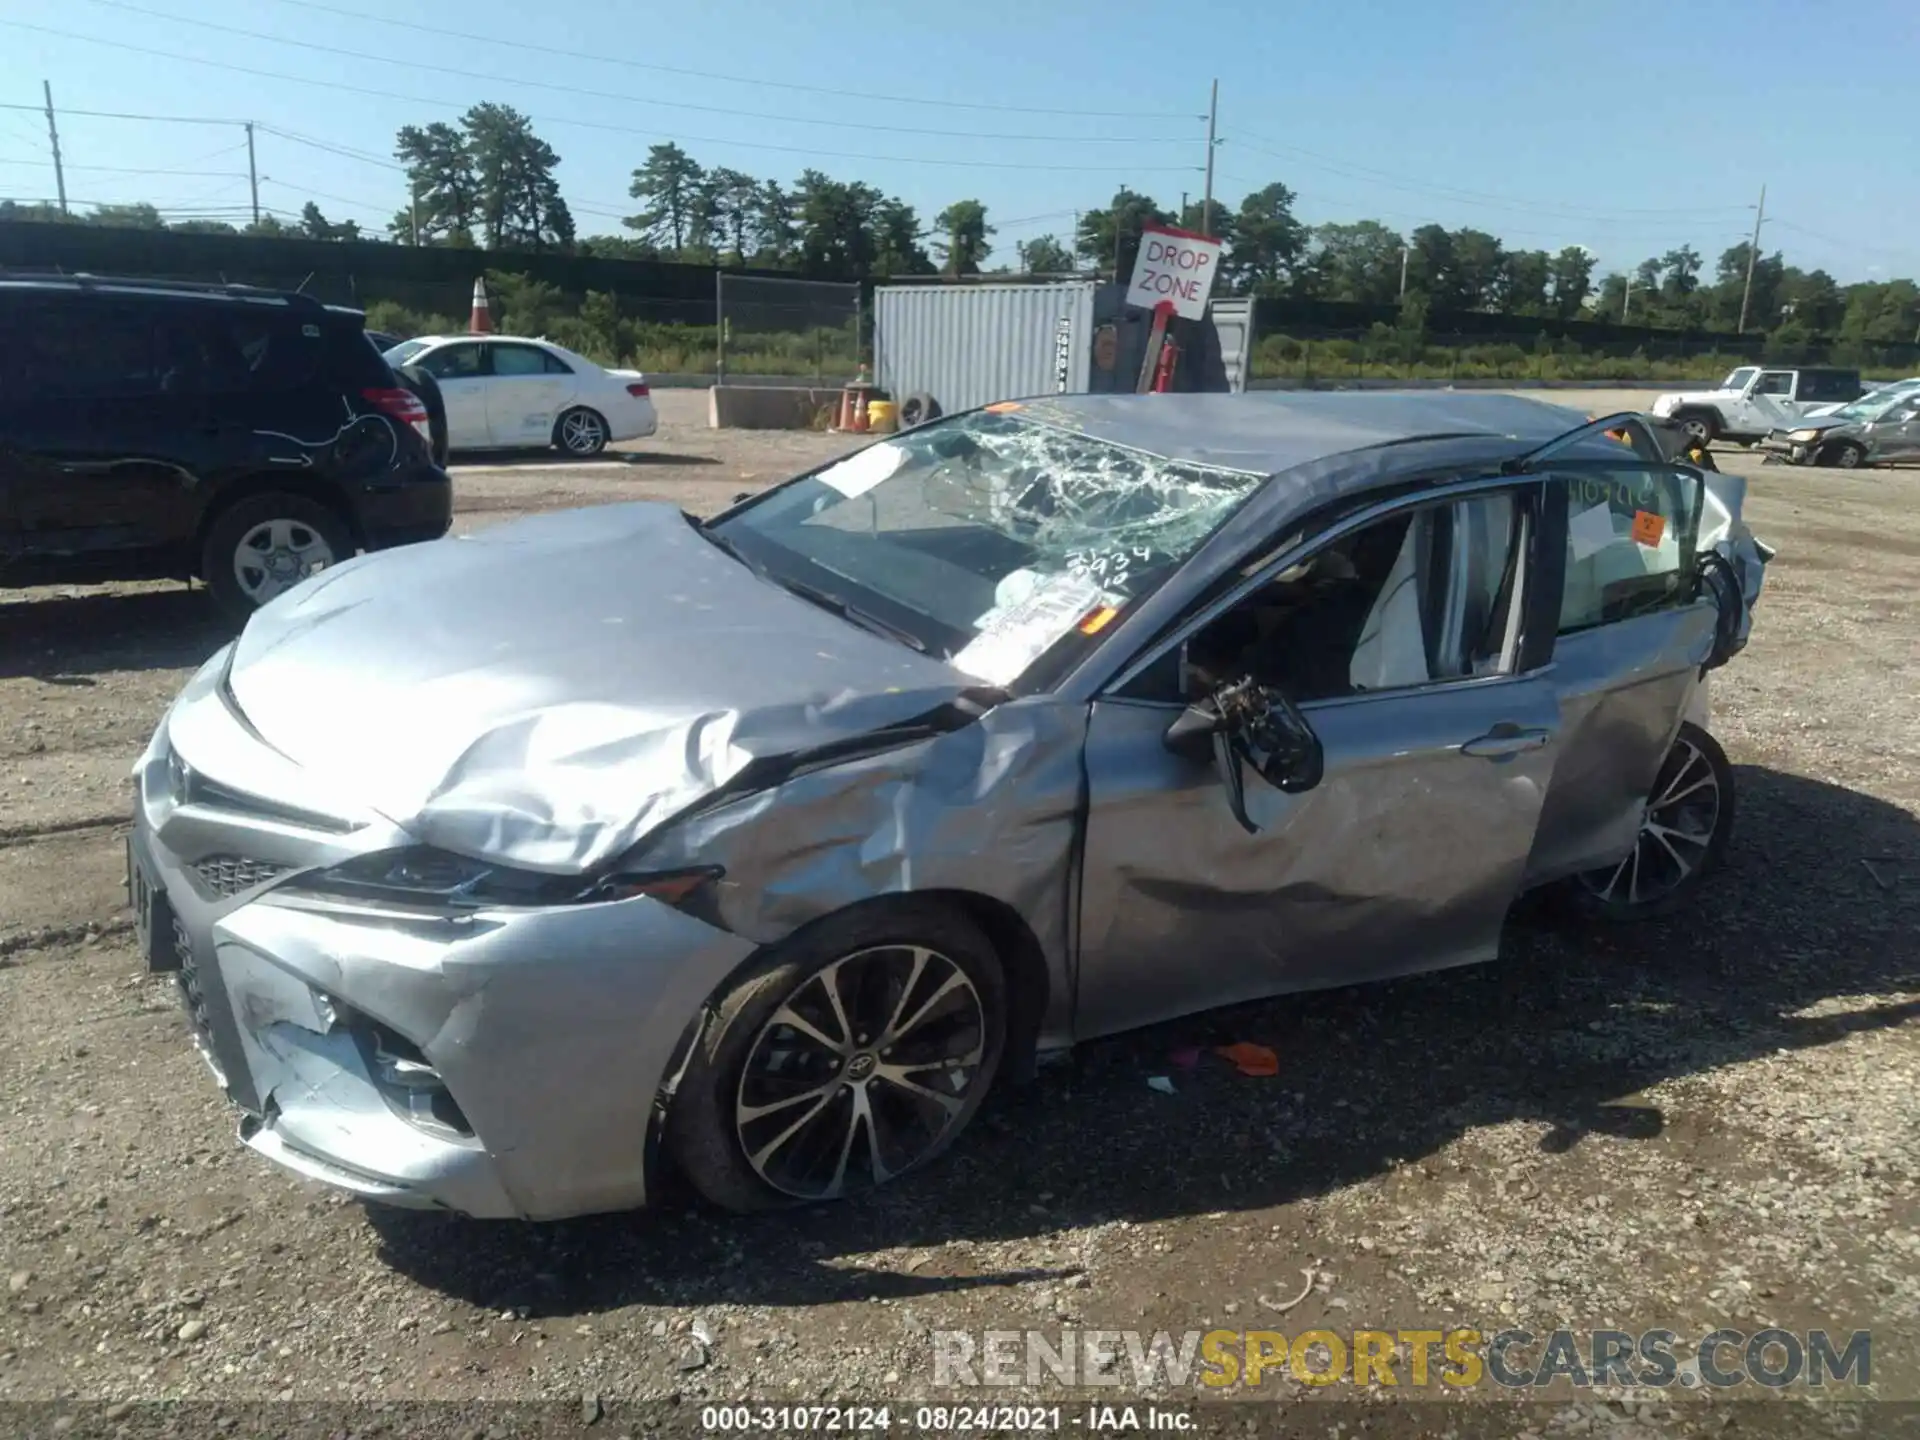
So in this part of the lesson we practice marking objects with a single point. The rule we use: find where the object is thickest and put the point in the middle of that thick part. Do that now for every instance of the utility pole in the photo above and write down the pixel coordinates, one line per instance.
(1753, 253)
(1626, 300)
(53, 134)
(1213, 119)
(1405, 251)
(413, 208)
(253, 174)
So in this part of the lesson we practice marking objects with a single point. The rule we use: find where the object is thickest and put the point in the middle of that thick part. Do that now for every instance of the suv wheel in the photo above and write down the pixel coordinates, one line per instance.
(263, 545)
(1700, 426)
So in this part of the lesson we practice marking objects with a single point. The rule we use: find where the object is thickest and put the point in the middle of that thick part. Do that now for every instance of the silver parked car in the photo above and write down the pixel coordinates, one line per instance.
(1880, 428)
(492, 868)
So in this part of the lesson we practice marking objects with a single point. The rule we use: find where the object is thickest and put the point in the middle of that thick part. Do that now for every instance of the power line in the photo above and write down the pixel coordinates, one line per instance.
(111, 114)
(124, 169)
(591, 124)
(441, 32)
(579, 90)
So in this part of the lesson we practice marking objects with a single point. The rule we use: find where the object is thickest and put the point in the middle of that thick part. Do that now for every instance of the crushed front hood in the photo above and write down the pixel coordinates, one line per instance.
(547, 692)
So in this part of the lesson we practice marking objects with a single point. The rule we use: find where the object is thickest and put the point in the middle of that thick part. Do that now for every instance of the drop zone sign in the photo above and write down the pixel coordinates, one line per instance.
(1174, 267)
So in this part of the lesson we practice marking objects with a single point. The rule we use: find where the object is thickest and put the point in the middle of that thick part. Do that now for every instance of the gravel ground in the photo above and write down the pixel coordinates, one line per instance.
(1704, 1122)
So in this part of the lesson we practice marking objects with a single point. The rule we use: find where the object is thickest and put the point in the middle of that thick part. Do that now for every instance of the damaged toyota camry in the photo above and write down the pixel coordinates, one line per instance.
(499, 872)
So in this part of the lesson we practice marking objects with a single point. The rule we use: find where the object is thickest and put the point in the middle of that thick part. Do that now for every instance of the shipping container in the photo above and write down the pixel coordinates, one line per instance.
(970, 345)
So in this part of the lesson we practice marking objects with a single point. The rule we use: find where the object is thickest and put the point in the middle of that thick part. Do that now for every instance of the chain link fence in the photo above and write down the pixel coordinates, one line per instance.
(773, 330)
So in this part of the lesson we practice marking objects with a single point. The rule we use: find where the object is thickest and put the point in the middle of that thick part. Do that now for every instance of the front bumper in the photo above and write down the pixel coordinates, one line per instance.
(1793, 452)
(533, 1044)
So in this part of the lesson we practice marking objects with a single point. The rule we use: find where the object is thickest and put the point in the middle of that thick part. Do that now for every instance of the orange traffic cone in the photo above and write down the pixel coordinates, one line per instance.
(482, 322)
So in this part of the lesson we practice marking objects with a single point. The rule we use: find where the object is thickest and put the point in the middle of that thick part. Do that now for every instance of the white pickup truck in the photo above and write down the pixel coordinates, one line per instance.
(1754, 400)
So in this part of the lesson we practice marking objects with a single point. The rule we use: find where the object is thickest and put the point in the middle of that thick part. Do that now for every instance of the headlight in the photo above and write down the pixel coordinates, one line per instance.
(1803, 436)
(421, 875)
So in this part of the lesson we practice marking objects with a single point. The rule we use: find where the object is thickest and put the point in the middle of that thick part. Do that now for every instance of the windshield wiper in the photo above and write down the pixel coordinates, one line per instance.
(849, 612)
(715, 538)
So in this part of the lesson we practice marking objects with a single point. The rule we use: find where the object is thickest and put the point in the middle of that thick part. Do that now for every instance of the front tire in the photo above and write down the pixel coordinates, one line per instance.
(1700, 426)
(1842, 455)
(261, 546)
(1683, 838)
(581, 432)
(851, 1053)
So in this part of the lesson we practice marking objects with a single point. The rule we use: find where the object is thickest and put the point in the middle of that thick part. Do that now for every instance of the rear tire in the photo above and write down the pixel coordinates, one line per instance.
(261, 546)
(766, 1115)
(1683, 838)
(581, 432)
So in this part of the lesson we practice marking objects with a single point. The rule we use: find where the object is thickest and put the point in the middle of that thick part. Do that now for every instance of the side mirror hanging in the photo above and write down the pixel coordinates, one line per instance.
(1248, 722)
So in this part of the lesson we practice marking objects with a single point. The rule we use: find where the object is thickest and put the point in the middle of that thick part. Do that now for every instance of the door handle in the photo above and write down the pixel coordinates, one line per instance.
(1505, 740)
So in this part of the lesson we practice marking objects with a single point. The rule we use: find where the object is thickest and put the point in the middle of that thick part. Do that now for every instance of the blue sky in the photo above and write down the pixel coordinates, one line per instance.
(1628, 127)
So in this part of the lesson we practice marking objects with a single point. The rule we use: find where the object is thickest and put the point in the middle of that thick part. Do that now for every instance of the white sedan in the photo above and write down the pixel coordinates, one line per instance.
(506, 392)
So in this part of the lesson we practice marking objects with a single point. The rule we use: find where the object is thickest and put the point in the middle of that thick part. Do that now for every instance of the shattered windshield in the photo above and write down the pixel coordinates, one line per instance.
(988, 538)
(1875, 404)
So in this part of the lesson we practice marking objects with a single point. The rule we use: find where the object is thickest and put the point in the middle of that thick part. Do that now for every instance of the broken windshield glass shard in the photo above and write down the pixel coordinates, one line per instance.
(860, 472)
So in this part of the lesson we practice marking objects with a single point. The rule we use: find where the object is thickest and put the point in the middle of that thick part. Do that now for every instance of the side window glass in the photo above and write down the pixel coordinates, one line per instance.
(1777, 382)
(238, 350)
(517, 360)
(452, 362)
(1418, 598)
(1630, 544)
(554, 364)
(96, 351)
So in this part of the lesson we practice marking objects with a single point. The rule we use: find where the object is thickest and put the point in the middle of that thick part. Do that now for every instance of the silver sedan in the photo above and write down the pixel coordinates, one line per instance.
(498, 871)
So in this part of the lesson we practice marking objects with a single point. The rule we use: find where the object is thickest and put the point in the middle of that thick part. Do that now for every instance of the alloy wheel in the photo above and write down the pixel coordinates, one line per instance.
(276, 555)
(1676, 833)
(861, 1073)
(582, 433)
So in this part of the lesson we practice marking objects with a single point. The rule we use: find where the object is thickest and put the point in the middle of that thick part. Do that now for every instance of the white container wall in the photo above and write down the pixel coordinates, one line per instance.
(968, 345)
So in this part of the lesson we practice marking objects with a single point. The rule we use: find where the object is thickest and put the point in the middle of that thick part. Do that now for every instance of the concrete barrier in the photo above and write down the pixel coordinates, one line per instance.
(766, 407)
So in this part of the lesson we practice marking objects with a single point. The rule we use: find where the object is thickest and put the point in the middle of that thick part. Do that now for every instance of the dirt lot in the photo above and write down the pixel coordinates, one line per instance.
(1706, 1122)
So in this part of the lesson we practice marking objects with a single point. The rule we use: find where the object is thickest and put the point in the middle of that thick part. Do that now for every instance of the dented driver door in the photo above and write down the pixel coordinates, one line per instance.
(1405, 856)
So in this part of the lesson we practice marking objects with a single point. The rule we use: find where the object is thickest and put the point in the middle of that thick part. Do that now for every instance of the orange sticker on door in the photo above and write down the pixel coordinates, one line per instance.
(1648, 527)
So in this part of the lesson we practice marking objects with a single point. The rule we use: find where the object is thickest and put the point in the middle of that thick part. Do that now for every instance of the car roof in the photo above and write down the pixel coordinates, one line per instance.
(1272, 432)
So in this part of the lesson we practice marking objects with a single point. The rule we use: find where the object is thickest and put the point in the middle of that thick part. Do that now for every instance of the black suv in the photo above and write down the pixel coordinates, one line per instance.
(151, 429)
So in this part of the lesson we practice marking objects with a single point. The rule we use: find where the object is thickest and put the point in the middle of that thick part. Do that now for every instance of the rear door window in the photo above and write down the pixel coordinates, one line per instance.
(1631, 537)
(520, 360)
(1776, 382)
(253, 352)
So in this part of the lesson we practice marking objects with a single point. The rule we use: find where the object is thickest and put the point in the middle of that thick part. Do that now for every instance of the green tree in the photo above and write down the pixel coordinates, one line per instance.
(1111, 237)
(670, 184)
(896, 236)
(961, 242)
(1265, 242)
(1479, 266)
(1524, 286)
(736, 209)
(776, 224)
(446, 194)
(1045, 255)
(127, 217)
(519, 201)
(1358, 262)
(202, 227)
(1572, 280)
(836, 226)
(316, 226)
